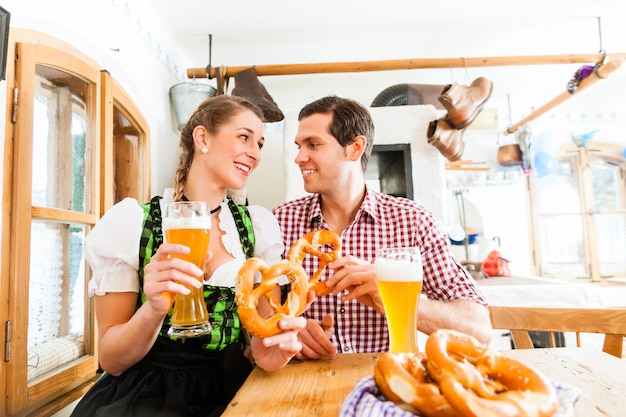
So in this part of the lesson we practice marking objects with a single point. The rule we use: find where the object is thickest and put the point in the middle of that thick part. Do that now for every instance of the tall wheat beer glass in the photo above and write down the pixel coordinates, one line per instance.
(399, 277)
(189, 223)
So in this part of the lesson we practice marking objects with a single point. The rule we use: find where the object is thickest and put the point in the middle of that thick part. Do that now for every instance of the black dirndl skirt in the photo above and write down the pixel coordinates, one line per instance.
(171, 381)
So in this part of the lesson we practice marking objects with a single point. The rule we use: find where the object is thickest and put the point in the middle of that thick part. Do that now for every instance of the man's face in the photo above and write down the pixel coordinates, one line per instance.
(321, 159)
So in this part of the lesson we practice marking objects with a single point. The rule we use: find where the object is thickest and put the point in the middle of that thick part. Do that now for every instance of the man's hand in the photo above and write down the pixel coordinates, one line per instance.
(358, 277)
(315, 339)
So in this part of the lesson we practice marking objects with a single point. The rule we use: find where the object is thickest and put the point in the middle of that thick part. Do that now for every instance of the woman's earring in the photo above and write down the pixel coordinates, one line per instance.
(205, 149)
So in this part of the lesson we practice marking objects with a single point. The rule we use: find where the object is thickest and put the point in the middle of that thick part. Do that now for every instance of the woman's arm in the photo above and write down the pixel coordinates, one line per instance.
(125, 336)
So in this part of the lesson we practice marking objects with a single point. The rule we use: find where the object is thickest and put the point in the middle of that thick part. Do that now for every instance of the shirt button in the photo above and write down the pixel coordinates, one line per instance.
(342, 310)
(346, 349)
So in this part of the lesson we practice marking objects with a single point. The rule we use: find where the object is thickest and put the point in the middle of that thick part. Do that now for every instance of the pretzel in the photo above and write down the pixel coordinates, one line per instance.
(248, 297)
(310, 244)
(403, 379)
(459, 376)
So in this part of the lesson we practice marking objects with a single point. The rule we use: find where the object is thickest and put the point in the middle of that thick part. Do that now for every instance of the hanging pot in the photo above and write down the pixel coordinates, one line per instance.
(186, 97)
(509, 155)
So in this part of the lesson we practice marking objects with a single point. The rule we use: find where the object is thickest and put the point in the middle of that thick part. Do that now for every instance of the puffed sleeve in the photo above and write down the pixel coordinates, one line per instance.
(112, 249)
(269, 241)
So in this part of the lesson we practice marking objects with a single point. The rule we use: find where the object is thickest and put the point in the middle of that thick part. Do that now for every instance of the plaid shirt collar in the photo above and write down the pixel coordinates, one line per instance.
(369, 206)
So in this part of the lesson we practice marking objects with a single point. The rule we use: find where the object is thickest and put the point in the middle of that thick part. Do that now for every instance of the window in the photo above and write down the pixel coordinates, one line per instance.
(79, 145)
(580, 214)
(127, 153)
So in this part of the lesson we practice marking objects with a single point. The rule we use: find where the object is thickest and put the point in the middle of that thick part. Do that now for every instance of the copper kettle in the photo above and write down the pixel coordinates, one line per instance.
(510, 155)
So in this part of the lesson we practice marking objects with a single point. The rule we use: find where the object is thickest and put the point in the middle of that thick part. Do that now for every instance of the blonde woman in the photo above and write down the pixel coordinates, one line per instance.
(146, 372)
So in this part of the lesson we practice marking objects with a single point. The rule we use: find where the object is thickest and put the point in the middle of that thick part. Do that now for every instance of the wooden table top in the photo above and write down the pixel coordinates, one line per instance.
(317, 388)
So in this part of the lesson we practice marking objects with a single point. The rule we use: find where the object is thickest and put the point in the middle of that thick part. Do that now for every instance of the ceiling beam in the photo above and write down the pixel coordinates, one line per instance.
(401, 64)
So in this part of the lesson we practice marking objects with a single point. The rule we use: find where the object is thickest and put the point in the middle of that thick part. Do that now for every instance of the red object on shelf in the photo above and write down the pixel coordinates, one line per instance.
(495, 265)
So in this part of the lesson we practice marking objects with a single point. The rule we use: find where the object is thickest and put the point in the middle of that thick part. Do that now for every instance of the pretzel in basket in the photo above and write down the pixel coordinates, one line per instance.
(458, 376)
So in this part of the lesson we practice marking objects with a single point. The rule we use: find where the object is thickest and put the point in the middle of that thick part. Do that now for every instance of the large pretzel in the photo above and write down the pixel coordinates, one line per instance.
(310, 244)
(460, 377)
(248, 297)
(403, 379)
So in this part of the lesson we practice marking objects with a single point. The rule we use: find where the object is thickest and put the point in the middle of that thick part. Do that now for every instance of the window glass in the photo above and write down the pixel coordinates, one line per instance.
(56, 325)
(60, 150)
(611, 230)
(61, 181)
(562, 245)
(607, 187)
(128, 161)
(559, 192)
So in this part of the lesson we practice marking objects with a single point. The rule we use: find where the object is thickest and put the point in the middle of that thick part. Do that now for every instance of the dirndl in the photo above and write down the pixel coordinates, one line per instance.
(172, 380)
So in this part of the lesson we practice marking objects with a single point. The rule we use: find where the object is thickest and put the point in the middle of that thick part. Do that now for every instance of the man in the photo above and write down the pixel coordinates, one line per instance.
(335, 140)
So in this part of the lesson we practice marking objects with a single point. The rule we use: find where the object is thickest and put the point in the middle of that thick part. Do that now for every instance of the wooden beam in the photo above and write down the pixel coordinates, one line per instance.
(601, 72)
(401, 64)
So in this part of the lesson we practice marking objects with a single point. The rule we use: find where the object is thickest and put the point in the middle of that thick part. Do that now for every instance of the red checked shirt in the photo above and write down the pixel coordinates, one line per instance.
(382, 221)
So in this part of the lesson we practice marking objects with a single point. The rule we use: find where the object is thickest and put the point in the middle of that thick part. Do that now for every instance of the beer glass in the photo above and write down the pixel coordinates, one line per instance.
(189, 223)
(399, 277)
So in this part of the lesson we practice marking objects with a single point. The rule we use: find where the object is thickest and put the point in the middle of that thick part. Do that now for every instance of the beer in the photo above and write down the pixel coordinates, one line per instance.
(189, 224)
(399, 278)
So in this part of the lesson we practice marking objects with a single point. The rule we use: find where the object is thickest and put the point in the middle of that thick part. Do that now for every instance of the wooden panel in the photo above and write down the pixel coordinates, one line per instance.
(17, 372)
(124, 105)
(65, 216)
(592, 320)
(19, 394)
(67, 376)
(520, 320)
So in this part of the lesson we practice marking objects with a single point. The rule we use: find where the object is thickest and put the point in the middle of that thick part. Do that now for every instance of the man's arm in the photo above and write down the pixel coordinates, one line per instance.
(463, 315)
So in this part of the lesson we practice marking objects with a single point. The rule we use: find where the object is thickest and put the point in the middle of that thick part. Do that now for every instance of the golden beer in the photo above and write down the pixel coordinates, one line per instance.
(189, 224)
(190, 309)
(399, 278)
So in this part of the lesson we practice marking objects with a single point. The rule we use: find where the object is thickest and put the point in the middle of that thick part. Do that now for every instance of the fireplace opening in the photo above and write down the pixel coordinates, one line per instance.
(389, 170)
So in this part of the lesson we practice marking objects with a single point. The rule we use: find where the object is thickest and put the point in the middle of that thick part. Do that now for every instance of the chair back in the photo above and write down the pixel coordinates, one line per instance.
(520, 320)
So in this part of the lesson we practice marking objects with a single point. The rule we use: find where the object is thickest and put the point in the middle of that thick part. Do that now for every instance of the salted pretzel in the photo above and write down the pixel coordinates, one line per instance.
(459, 376)
(248, 296)
(311, 244)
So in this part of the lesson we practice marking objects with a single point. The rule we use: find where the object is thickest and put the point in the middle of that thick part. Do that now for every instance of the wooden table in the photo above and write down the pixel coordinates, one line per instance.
(317, 388)
(600, 376)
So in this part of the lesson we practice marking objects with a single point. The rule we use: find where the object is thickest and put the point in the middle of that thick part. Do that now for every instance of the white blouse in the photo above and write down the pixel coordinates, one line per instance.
(112, 247)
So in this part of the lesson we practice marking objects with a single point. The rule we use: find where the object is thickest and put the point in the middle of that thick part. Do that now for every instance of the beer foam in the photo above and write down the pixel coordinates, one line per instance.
(187, 223)
(398, 271)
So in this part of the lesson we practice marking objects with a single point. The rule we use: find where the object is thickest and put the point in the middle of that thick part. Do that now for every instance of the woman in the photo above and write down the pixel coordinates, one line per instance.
(146, 372)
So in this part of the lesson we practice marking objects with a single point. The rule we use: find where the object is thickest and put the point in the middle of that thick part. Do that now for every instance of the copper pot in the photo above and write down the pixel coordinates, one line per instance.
(509, 155)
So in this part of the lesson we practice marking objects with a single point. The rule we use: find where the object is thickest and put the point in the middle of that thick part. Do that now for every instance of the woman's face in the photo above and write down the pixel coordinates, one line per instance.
(235, 150)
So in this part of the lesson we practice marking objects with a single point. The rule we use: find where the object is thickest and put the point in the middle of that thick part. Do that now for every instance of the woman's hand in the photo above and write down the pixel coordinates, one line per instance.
(274, 352)
(271, 353)
(167, 275)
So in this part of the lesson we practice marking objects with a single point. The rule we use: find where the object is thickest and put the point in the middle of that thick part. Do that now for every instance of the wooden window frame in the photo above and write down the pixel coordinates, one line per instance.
(581, 157)
(55, 390)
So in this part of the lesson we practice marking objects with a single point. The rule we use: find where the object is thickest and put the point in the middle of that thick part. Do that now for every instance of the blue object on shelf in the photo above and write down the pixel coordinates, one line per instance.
(471, 239)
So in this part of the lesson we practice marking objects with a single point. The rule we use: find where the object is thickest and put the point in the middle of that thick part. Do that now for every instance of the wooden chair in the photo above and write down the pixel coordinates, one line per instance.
(520, 320)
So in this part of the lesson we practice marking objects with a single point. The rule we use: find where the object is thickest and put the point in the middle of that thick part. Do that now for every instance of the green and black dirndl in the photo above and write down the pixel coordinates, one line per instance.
(179, 377)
